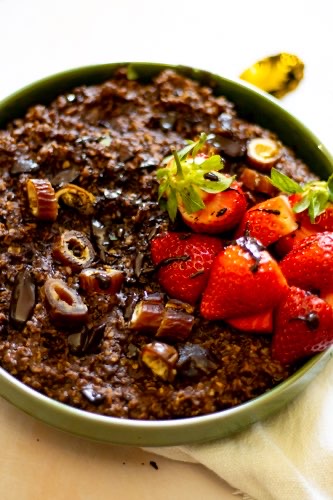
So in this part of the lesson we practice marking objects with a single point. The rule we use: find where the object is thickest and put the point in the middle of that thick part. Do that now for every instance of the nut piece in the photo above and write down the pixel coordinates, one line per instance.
(64, 304)
(148, 314)
(23, 298)
(104, 281)
(255, 181)
(161, 359)
(176, 323)
(77, 197)
(74, 249)
(42, 200)
(263, 153)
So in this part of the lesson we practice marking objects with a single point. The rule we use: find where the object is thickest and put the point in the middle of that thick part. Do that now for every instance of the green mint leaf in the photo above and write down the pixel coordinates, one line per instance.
(212, 163)
(162, 188)
(199, 144)
(179, 166)
(161, 173)
(172, 205)
(302, 205)
(330, 187)
(191, 200)
(284, 183)
(185, 151)
(222, 184)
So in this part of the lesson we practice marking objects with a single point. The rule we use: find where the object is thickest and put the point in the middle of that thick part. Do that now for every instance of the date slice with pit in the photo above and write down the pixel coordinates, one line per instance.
(64, 304)
(74, 250)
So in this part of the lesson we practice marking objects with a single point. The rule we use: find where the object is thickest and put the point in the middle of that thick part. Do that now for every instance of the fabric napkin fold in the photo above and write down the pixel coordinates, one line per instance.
(286, 457)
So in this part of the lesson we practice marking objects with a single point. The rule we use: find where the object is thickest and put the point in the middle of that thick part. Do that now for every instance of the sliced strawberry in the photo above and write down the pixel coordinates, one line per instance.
(285, 244)
(184, 261)
(255, 323)
(309, 265)
(303, 326)
(244, 280)
(222, 212)
(269, 220)
(324, 221)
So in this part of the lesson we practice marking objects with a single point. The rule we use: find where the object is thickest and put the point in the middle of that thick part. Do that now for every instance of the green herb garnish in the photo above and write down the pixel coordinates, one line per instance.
(315, 196)
(186, 174)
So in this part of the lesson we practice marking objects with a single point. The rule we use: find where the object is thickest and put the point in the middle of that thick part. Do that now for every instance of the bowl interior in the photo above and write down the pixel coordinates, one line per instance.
(253, 105)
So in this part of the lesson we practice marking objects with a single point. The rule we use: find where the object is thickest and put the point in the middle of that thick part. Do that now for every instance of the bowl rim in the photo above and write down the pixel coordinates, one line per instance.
(162, 432)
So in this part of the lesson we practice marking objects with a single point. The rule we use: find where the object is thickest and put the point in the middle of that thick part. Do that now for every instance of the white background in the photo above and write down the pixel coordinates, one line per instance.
(38, 38)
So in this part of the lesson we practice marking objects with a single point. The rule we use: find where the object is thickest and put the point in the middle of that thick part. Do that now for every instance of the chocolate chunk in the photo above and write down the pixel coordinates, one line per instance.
(92, 395)
(23, 298)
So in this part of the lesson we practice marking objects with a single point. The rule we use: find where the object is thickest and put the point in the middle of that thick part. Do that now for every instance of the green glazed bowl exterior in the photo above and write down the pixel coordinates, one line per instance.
(254, 105)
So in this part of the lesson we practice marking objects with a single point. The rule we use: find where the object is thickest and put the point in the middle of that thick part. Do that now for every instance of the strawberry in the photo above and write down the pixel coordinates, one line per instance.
(255, 323)
(313, 200)
(269, 220)
(303, 326)
(309, 264)
(192, 183)
(244, 280)
(222, 212)
(285, 244)
(183, 261)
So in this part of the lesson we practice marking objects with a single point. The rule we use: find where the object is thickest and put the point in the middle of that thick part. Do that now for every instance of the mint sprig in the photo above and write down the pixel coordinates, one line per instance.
(185, 174)
(315, 196)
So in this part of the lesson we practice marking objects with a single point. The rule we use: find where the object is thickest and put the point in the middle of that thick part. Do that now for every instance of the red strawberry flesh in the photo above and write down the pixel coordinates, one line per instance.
(184, 261)
(244, 280)
(309, 265)
(222, 212)
(303, 326)
(269, 220)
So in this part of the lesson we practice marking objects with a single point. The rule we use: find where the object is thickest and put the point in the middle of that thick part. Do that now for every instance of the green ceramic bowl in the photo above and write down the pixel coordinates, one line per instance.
(255, 106)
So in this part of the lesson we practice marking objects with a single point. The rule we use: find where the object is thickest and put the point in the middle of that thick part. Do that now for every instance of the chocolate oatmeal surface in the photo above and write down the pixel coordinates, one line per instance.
(109, 140)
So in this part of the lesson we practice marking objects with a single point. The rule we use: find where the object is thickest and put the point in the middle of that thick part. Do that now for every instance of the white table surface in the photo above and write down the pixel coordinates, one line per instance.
(38, 38)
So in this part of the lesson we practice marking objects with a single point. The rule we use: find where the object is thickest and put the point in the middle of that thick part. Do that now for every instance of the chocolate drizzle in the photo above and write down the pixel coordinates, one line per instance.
(170, 260)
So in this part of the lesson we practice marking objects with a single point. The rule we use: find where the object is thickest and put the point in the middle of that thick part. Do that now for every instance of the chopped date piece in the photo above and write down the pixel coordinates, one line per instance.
(77, 197)
(74, 250)
(161, 359)
(257, 182)
(42, 200)
(195, 361)
(65, 305)
(263, 153)
(101, 280)
(23, 298)
(177, 321)
(148, 314)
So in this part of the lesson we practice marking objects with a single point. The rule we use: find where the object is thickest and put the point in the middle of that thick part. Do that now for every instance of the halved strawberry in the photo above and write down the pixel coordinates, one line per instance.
(192, 182)
(269, 220)
(183, 263)
(255, 323)
(222, 212)
(309, 265)
(244, 280)
(285, 244)
(313, 201)
(303, 326)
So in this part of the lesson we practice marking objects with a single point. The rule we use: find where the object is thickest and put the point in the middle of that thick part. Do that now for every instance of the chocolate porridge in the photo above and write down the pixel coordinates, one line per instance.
(99, 147)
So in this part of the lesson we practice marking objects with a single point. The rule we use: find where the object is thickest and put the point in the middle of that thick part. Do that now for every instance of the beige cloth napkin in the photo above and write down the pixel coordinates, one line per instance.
(287, 457)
